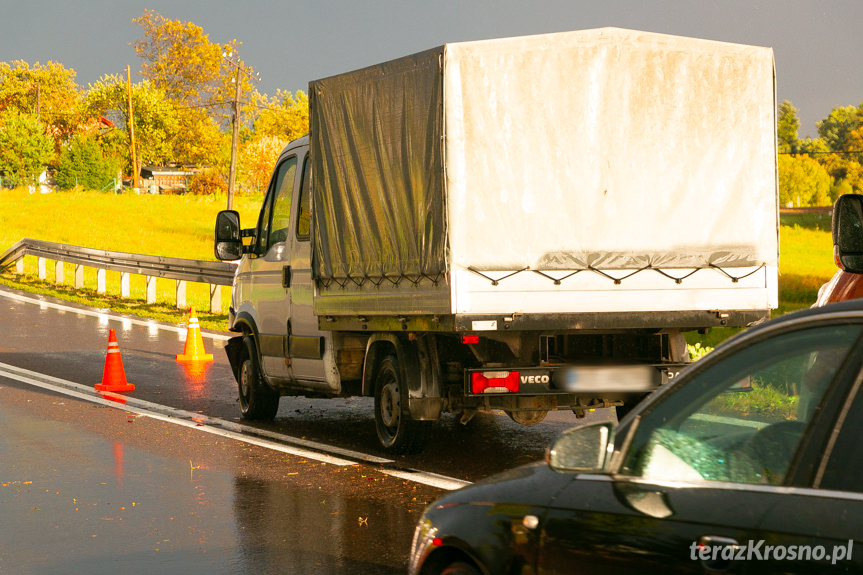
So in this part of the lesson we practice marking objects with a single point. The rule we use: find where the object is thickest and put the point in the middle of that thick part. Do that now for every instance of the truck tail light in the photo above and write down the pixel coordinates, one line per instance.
(494, 382)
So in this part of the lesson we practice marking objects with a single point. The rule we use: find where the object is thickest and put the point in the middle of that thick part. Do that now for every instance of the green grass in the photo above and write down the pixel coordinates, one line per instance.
(172, 226)
(761, 402)
(182, 227)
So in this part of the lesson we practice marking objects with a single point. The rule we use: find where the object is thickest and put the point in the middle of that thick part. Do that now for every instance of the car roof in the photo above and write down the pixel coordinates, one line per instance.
(853, 305)
(850, 307)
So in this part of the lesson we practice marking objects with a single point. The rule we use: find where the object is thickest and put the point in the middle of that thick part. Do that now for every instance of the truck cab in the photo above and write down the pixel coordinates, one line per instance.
(272, 300)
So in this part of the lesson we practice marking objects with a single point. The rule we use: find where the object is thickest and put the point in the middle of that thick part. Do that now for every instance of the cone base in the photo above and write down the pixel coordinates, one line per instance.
(115, 387)
(199, 357)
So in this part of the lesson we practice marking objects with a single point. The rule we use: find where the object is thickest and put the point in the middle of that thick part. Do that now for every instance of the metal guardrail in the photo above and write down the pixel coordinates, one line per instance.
(181, 270)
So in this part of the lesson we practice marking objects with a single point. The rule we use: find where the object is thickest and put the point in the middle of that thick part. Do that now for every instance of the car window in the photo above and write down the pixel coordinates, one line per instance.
(743, 417)
(841, 472)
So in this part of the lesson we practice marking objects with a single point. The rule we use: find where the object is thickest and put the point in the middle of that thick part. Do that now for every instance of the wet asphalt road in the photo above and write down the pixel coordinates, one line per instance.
(196, 502)
(90, 489)
(72, 346)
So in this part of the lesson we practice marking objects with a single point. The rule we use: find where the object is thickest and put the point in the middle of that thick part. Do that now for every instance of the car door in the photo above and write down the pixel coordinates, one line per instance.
(306, 343)
(700, 469)
(269, 293)
(821, 527)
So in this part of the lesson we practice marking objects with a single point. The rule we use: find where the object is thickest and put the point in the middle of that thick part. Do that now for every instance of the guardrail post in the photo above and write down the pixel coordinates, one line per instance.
(215, 299)
(19, 267)
(79, 276)
(181, 294)
(101, 283)
(59, 272)
(43, 268)
(125, 285)
(151, 289)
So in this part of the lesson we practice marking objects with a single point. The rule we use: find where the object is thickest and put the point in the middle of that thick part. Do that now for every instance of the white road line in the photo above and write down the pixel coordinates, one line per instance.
(316, 456)
(224, 428)
(107, 316)
(426, 478)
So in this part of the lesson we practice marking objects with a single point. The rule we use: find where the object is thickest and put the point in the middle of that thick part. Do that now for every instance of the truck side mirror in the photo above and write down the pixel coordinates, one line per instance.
(229, 244)
(848, 232)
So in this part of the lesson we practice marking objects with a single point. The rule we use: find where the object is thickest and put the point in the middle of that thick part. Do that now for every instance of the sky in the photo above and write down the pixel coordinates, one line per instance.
(817, 44)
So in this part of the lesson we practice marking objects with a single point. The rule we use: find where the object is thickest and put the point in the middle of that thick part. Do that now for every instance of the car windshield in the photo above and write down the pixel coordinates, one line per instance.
(742, 418)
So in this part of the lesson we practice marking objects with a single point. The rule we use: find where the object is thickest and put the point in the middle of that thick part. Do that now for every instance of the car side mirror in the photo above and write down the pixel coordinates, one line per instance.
(848, 232)
(582, 449)
(229, 243)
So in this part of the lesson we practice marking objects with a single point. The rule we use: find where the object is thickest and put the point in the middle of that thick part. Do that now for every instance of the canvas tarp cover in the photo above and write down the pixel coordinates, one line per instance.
(378, 176)
(608, 148)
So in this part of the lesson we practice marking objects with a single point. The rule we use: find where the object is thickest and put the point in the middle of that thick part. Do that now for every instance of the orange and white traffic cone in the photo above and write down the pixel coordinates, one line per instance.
(194, 350)
(114, 376)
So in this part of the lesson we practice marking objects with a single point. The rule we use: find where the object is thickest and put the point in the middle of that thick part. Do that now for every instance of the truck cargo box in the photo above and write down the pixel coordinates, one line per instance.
(593, 172)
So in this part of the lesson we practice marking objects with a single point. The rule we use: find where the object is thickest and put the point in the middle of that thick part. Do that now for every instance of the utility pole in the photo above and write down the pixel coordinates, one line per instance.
(235, 137)
(135, 169)
(232, 174)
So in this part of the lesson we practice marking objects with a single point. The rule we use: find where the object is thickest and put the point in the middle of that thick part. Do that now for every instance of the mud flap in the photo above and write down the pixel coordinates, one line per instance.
(234, 350)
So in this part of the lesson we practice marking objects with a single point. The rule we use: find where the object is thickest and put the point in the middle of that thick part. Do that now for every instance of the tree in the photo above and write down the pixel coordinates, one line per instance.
(25, 148)
(813, 147)
(156, 119)
(285, 117)
(83, 163)
(48, 92)
(787, 127)
(803, 182)
(257, 159)
(198, 139)
(836, 128)
(180, 59)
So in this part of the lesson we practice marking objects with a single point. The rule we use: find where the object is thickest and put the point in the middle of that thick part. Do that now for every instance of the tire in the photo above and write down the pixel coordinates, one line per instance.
(257, 401)
(460, 568)
(397, 431)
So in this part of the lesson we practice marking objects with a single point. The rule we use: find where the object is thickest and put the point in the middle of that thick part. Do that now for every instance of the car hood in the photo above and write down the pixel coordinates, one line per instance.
(531, 484)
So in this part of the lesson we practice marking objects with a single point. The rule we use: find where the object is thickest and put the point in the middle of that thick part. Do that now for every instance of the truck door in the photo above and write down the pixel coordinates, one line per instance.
(269, 293)
(306, 343)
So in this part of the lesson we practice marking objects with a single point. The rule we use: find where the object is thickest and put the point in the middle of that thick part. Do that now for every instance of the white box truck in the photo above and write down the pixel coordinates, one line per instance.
(523, 224)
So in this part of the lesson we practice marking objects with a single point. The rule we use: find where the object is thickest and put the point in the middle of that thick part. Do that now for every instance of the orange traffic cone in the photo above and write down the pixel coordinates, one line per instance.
(114, 376)
(194, 350)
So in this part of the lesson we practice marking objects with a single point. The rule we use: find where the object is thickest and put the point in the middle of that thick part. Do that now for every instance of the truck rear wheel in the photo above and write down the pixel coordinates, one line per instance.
(527, 416)
(257, 400)
(397, 431)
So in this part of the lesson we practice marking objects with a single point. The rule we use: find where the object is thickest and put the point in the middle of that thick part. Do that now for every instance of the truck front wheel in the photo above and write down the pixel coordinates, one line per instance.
(397, 431)
(257, 400)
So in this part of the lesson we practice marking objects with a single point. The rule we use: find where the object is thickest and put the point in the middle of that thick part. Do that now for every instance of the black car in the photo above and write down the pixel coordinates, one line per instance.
(750, 462)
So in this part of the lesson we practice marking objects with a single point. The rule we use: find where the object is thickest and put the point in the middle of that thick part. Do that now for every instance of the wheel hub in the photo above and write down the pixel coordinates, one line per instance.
(390, 405)
(244, 381)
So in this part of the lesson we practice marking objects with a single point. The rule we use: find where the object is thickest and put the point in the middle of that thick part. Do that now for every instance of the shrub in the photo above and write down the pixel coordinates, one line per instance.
(25, 148)
(83, 164)
(207, 182)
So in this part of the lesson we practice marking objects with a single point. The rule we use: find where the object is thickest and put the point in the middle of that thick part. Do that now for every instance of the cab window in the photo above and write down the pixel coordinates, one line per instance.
(742, 419)
(304, 215)
(275, 217)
